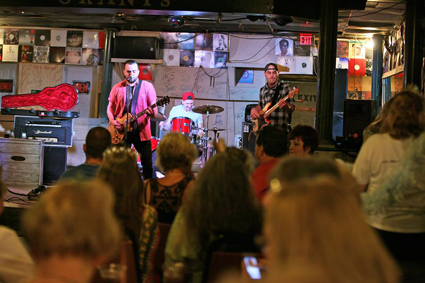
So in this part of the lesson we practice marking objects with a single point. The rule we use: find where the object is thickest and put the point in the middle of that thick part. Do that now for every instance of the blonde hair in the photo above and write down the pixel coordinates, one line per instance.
(314, 221)
(73, 218)
(405, 116)
(176, 151)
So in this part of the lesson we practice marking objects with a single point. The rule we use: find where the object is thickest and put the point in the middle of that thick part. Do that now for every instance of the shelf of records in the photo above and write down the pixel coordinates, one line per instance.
(76, 47)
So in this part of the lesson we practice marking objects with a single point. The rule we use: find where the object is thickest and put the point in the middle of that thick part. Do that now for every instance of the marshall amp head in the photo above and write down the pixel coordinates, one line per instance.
(54, 132)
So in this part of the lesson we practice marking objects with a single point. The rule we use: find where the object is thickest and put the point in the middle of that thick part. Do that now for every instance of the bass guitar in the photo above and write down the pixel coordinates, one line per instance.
(118, 134)
(262, 121)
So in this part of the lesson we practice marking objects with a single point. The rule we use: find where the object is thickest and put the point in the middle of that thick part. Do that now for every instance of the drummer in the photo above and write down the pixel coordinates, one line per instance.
(185, 110)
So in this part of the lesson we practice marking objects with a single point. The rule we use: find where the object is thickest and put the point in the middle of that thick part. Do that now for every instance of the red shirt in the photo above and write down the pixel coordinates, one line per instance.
(260, 177)
(147, 97)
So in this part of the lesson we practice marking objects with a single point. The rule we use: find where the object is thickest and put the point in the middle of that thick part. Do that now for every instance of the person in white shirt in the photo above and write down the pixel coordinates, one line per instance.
(184, 111)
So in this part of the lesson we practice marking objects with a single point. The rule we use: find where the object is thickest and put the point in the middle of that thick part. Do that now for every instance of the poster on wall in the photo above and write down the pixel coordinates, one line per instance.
(90, 57)
(170, 40)
(41, 54)
(73, 55)
(74, 38)
(187, 58)
(220, 59)
(10, 53)
(26, 53)
(204, 41)
(11, 36)
(342, 49)
(91, 39)
(284, 47)
(186, 40)
(288, 62)
(357, 50)
(26, 37)
(301, 50)
(204, 59)
(57, 54)
(220, 42)
(58, 38)
(171, 57)
(42, 37)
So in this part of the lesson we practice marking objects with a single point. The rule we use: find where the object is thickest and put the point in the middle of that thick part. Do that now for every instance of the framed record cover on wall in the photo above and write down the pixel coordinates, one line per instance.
(74, 38)
(42, 37)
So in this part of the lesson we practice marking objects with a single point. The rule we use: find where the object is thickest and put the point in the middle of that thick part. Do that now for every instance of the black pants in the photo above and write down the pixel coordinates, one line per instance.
(404, 246)
(145, 152)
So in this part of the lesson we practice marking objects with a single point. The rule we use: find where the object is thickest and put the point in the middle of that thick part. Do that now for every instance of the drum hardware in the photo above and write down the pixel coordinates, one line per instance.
(207, 109)
(159, 117)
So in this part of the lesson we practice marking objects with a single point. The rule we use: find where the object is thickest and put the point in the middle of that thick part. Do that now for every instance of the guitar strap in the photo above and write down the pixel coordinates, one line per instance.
(135, 98)
(133, 103)
(276, 94)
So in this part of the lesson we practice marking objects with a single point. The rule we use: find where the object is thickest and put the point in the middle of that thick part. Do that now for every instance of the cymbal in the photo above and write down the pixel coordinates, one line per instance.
(159, 117)
(211, 109)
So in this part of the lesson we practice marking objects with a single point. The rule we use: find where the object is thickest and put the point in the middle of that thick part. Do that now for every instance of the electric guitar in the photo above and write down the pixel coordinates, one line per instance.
(62, 97)
(118, 134)
(262, 121)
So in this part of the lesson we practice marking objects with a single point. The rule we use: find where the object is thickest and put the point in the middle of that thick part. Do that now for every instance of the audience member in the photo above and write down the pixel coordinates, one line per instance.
(315, 225)
(98, 139)
(220, 205)
(119, 169)
(71, 230)
(295, 168)
(16, 264)
(373, 127)
(303, 140)
(382, 152)
(269, 146)
(175, 155)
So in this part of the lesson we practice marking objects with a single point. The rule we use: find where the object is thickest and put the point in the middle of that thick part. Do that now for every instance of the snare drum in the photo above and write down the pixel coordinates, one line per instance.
(182, 125)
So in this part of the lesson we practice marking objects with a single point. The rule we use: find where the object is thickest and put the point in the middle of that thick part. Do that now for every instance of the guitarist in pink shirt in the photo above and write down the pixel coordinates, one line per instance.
(276, 102)
(133, 96)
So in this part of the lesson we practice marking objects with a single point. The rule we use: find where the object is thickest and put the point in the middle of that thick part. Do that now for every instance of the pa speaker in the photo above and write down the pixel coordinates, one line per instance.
(135, 47)
(55, 159)
(358, 114)
(248, 138)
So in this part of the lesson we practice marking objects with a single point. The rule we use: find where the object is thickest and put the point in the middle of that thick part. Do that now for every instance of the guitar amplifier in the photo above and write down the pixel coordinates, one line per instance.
(248, 138)
(54, 132)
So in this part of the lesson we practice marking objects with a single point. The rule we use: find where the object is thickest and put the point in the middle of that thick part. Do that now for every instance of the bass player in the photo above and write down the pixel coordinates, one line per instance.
(274, 91)
(131, 96)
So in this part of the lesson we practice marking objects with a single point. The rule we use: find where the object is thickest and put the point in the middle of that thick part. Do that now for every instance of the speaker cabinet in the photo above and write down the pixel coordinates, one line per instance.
(248, 137)
(136, 47)
(55, 159)
(358, 114)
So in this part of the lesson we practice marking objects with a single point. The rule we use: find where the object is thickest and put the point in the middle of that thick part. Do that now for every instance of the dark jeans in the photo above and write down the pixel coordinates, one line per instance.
(145, 152)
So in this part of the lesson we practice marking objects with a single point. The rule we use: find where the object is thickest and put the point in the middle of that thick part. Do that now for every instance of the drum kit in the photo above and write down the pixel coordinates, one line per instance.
(188, 127)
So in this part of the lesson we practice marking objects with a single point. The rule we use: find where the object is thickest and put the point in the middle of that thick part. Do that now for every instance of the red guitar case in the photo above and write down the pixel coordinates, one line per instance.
(61, 97)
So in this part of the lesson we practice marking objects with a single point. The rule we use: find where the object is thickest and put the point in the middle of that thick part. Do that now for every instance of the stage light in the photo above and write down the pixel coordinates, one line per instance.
(176, 22)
